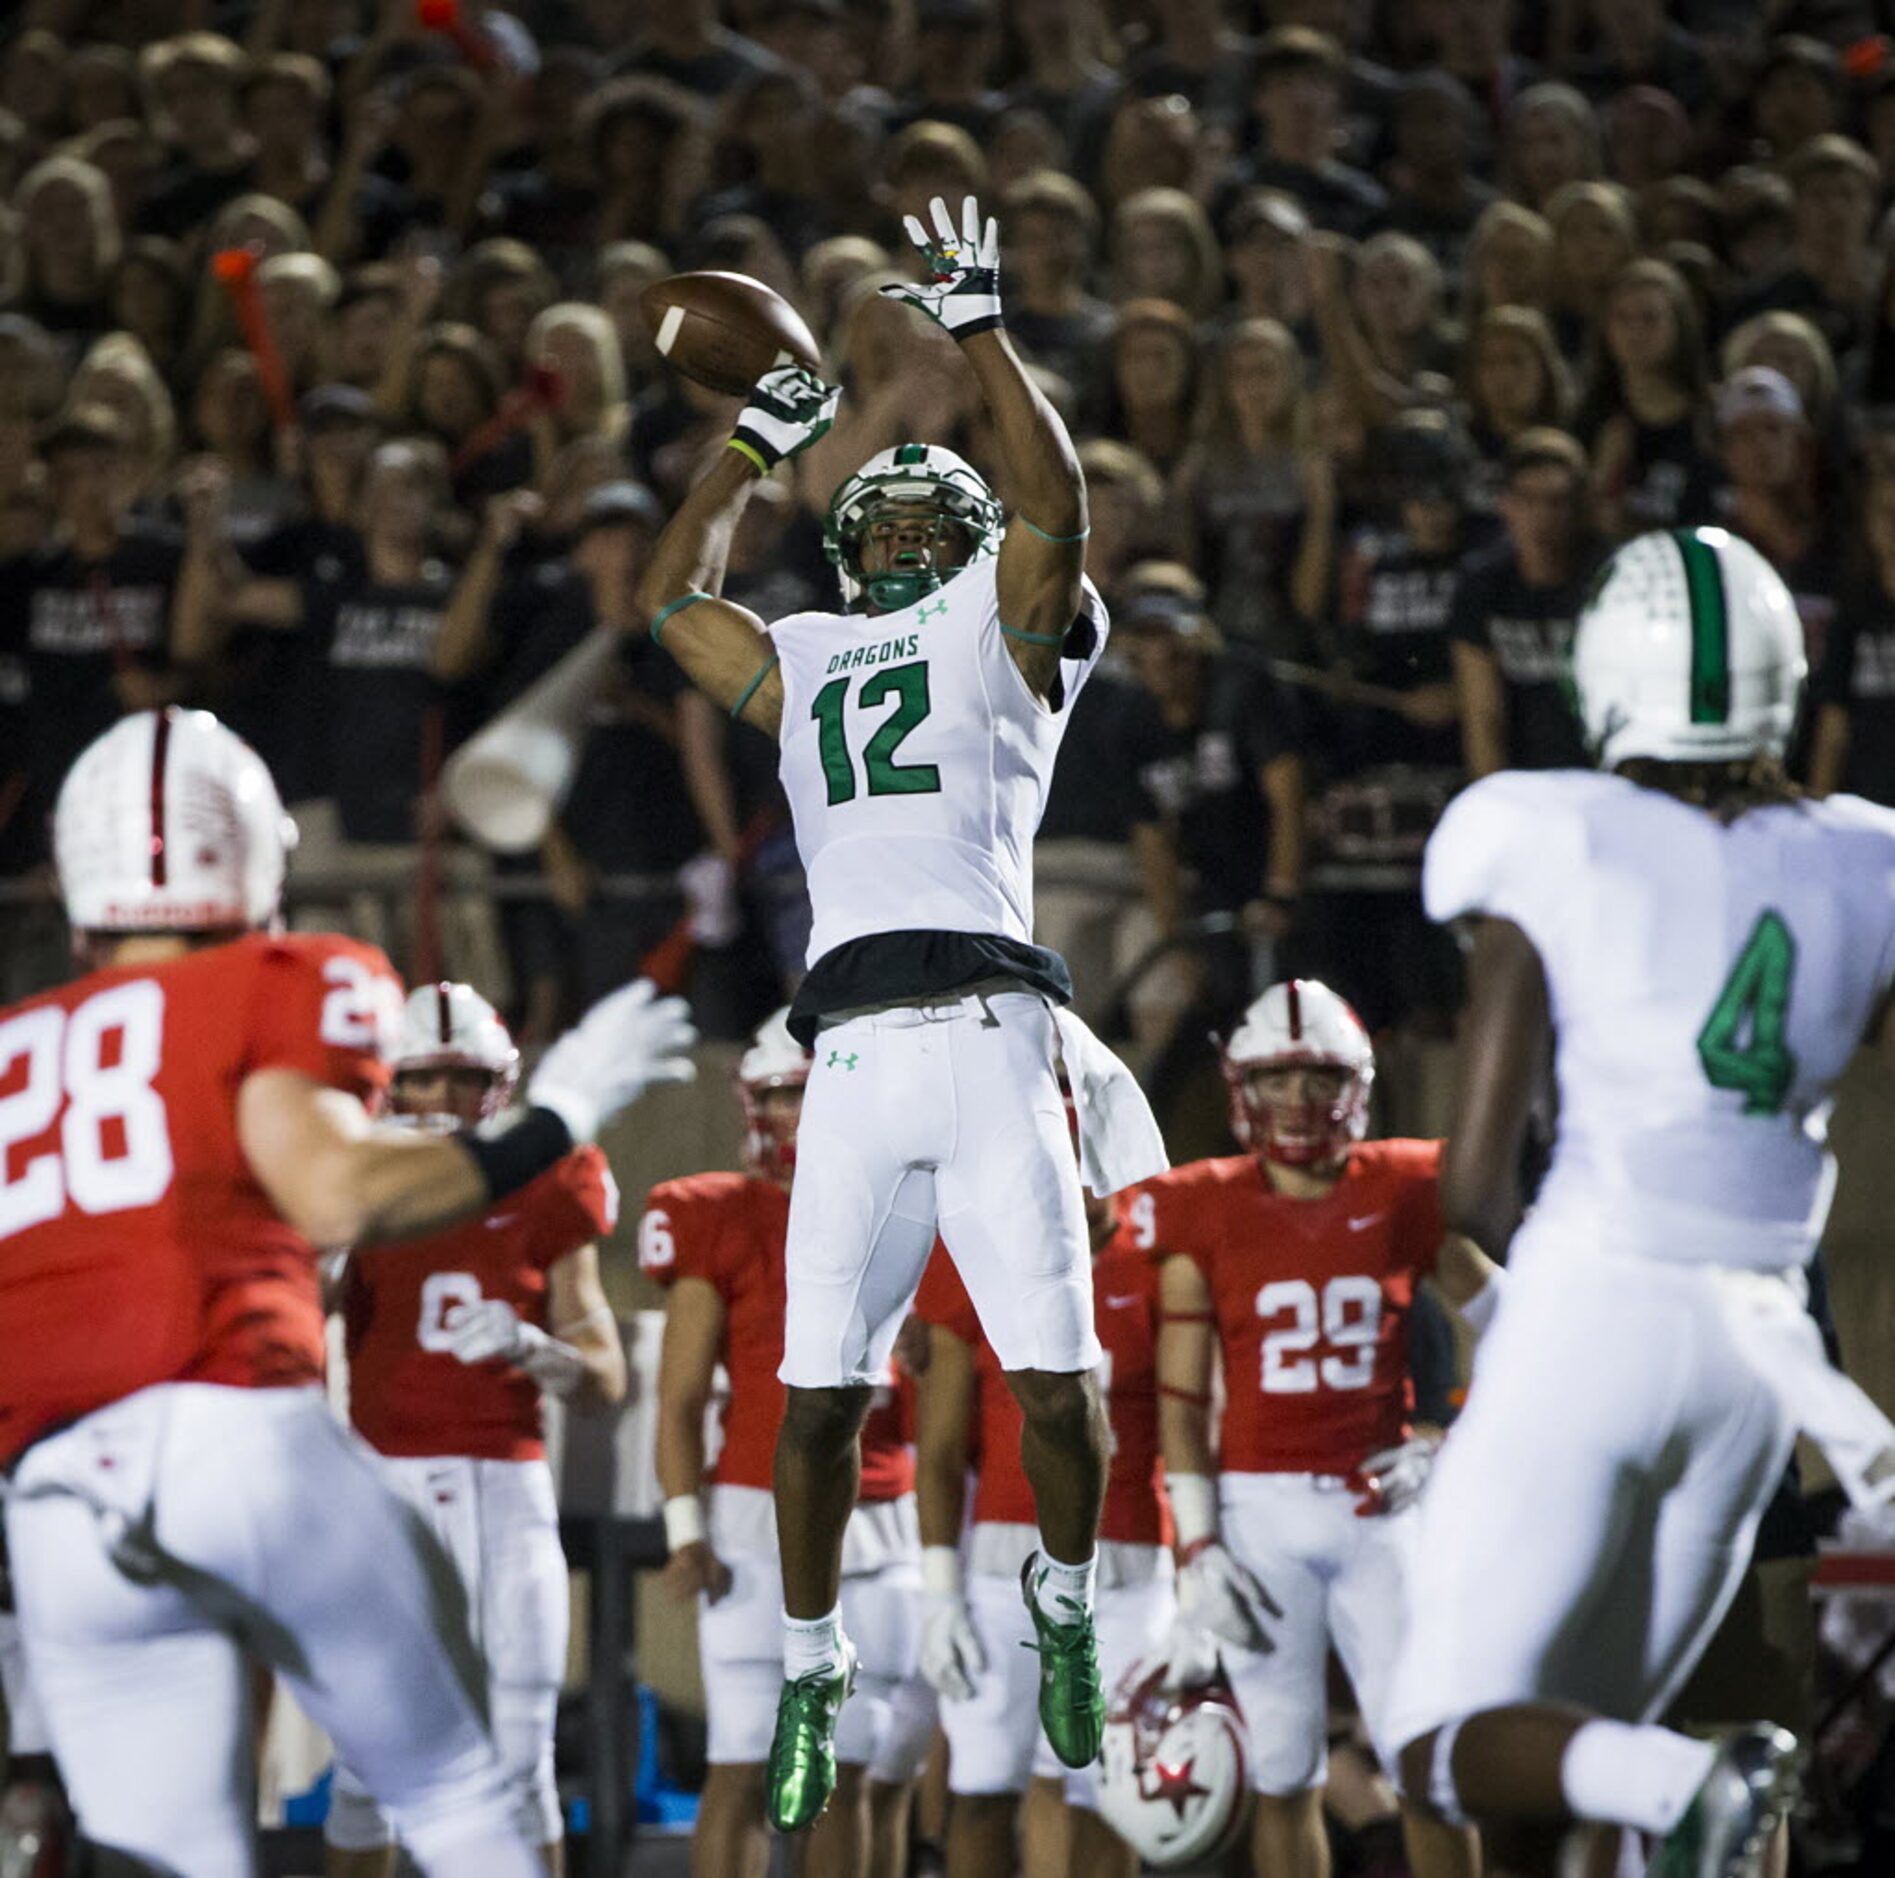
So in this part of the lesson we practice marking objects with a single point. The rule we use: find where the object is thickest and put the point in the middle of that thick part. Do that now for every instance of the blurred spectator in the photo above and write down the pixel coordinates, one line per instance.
(1509, 262)
(1514, 613)
(297, 292)
(1595, 236)
(285, 101)
(683, 41)
(1125, 504)
(1834, 185)
(1153, 386)
(117, 375)
(1799, 93)
(1854, 688)
(1635, 44)
(763, 163)
(578, 346)
(932, 159)
(151, 297)
(1051, 227)
(954, 46)
(1254, 495)
(1196, 54)
(626, 269)
(1647, 136)
(499, 288)
(1768, 456)
(649, 146)
(1552, 139)
(33, 81)
(1264, 250)
(1163, 249)
(1644, 419)
(191, 85)
(1512, 380)
(1068, 80)
(1151, 143)
(1473, 42)
(69, 246)
(1433, 192)
(231, 420)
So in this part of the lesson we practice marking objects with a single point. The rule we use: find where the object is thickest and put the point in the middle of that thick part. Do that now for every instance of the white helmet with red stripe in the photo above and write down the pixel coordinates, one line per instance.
(450, 1026)
(1300, 1022)
(775, 1060)
(1173, 1779)
(170, 823)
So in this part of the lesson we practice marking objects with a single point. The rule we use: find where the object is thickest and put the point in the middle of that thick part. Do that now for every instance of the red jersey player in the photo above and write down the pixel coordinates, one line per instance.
(451, 1340)
(179, 1128)
(715, 1242)
(1296, 1264)
(971, 1649)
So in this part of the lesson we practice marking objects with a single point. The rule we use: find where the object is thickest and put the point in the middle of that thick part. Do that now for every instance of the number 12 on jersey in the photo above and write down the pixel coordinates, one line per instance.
(1741, 1045)
(908, 684)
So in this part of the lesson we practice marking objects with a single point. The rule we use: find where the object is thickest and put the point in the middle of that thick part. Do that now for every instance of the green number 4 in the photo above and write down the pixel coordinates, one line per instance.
(908, 684)
(1741, 1045)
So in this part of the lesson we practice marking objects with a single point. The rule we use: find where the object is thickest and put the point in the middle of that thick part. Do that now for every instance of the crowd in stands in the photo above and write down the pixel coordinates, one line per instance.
(1376, 322)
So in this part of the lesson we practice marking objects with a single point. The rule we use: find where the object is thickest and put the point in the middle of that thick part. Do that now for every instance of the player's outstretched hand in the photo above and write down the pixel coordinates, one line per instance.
(962, 292)
(692, 1569)
(1392, 1480)
(951, 1656)
(1218, 1594)
(1191, 1656)
(789, 409)
(629, 1041)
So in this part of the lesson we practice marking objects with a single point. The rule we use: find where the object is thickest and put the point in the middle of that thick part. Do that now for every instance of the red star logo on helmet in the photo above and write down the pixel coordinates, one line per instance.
(1172, 1783)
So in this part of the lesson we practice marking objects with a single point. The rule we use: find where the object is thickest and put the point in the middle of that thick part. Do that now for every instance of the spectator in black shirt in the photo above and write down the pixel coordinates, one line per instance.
(1551, 139)
(682, 41)
(1512, 380)
(100, 617)
(1301, 76)
(1514, 614)
(1595, 237)
(1854, 689)
(1434, 194)
(192, 85)
(1051, 226)
(954, 46)
(69, 246)
(1197, 55)
(763, 164)
(1834, 190)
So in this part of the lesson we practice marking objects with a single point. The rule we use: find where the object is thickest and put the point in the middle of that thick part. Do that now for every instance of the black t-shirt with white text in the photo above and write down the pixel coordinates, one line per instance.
(1858, 673)
(1528, 631)
(1398, 604)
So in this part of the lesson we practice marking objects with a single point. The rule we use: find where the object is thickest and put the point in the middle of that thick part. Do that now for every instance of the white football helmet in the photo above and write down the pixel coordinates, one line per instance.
(775, 1060)
(170, 823)
(1173, 1777)
(450, 1026)
(1689, 650)
(929, 477)
(1300, 1021)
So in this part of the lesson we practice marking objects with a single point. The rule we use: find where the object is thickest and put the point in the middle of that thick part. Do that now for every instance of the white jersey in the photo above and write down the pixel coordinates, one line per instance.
(1708, 985)
(916, 760)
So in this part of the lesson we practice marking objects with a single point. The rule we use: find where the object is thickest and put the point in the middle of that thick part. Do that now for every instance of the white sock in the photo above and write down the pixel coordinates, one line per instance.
(812, 1645)
(1058, 1588)
(1626, 1774)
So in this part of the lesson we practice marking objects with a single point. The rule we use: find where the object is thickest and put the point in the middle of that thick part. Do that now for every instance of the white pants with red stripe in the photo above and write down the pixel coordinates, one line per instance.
(161, 1544)
(498, 1522)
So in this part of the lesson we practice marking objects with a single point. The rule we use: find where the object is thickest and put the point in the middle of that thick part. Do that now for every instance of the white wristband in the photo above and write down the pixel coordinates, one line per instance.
(1478, 1311)
(941, 1571)
(684, 1522)
(1193, 1507)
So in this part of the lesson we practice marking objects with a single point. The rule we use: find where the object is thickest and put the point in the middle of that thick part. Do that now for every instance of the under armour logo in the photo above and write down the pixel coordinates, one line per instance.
(926, 612)
(838, 1061)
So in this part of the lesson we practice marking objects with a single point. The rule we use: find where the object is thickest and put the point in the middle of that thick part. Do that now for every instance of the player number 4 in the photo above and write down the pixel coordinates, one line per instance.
(1741, 1045)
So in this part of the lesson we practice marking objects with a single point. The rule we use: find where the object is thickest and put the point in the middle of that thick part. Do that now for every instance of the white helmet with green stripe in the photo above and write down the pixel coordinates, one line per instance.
(1688, 650)
(930, 479)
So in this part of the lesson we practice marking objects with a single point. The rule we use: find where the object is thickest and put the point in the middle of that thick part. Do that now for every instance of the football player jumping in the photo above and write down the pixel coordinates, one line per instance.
(1702, 951)
(1295, 1263)
(715, 1242)
(918, 733)
(184, 1123)
(973, 1650)
(451, 1340)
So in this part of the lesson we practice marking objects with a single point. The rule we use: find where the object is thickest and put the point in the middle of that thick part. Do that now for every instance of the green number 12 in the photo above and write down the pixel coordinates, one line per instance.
(886, 777)
(1741, 1045)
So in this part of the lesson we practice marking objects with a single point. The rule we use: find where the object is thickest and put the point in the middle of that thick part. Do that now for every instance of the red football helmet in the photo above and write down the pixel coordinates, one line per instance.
(1300, 1023)
(775, 1060)
(1173, 1769)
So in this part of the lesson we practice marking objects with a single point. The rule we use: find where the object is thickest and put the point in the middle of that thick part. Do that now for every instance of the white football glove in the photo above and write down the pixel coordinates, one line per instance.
(629, 1041)
(1217, 1594)
(1391, 1481)
(963, 289)
(951, 1656)
(789, 409)
(492, 1328)
(1191, 1656)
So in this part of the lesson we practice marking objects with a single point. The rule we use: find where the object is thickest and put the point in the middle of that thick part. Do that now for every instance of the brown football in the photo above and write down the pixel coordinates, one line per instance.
(726, 330)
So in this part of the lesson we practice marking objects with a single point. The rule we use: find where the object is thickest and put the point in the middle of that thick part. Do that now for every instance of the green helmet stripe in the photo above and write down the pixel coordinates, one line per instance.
(1710, 628)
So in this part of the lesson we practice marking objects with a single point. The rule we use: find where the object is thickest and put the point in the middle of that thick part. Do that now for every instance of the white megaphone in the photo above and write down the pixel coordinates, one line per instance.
(505, 784)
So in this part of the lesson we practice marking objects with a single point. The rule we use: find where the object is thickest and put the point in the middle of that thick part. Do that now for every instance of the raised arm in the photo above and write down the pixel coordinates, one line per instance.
(723, 647)
(1042, 555)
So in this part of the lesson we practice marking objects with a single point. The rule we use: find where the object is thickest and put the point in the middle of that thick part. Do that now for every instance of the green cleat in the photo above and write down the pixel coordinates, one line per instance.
(802, 1767)
(1725, 1831)
(1072, 1698)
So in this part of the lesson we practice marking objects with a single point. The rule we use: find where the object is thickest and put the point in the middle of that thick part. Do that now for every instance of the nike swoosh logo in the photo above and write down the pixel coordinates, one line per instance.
(1366, 1221)
(1119, 1304)
(501, 1219)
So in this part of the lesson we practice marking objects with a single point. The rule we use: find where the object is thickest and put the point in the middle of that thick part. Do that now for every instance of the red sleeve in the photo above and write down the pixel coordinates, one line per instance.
(327, 1007)
(578, 1203)
(681, 1236)
(1165, 1217)
(1416, 1166)
(943, 1299)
